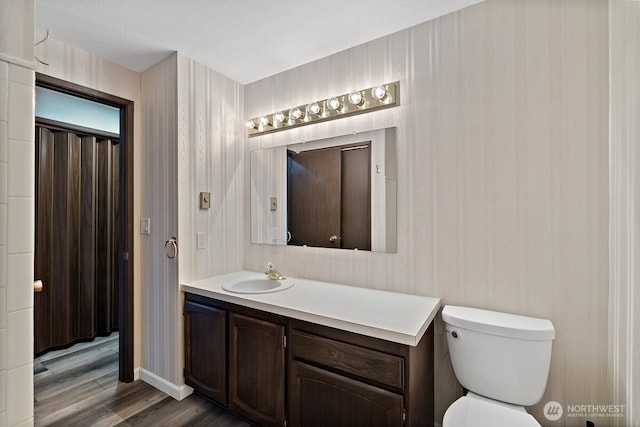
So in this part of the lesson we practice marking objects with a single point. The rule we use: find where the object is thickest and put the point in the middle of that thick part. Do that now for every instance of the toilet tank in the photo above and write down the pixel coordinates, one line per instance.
(501, 356)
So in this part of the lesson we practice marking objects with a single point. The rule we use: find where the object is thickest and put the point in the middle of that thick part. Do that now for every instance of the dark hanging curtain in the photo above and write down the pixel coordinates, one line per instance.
(76, 240)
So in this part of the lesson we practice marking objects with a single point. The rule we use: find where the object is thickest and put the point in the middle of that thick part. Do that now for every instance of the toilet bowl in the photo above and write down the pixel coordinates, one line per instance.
(478, 411)
(502, 360)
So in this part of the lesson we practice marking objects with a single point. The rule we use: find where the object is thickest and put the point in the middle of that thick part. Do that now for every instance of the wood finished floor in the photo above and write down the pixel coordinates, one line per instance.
(79, 387)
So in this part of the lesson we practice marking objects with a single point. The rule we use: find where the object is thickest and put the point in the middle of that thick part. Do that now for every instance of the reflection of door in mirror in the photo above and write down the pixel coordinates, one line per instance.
(270, 198)
(329, 197)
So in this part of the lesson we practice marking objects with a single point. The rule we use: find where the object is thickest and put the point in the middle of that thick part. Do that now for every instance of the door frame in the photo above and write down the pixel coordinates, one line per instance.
(125, 250)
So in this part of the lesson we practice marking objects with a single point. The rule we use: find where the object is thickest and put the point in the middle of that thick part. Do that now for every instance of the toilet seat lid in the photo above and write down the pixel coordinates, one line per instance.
(470, 411)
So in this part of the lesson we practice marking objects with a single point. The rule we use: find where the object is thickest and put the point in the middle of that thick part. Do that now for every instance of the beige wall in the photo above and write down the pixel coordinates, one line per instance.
(624, 307)
(503, 189)
(211, 159)
(159, 176)
(502, 183)
(192, 119)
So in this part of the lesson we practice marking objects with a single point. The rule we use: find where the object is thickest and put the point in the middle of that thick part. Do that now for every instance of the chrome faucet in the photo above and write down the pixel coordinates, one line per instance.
(272, 273)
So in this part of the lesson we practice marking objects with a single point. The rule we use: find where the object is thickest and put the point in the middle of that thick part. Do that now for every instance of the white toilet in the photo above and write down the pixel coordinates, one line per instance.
(502, 360)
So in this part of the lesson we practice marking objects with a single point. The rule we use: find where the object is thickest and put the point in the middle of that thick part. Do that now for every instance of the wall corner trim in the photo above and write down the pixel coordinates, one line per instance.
(17, 61)
(178, 392)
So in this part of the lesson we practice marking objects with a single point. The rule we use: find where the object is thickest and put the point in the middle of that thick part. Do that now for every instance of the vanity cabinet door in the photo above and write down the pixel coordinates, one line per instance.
(319, 398)
(257, 369)
(205, 337)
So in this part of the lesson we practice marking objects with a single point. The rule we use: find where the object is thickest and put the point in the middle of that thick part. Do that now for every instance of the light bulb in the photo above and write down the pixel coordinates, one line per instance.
(333, 104)
(251, 124)
(379, 92)
(279, 117)
(296, 113)
(356, 98)
(264, 121)
(314, 108)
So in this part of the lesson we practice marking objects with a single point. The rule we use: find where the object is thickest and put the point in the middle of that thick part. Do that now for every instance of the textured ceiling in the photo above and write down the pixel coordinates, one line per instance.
(246, 40)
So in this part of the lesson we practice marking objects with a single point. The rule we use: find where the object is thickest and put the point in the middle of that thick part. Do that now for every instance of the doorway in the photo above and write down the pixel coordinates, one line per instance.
(121, 232)
(76, 246)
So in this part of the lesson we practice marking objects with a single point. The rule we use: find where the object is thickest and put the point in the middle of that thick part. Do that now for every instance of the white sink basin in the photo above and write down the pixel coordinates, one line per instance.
(258, 286)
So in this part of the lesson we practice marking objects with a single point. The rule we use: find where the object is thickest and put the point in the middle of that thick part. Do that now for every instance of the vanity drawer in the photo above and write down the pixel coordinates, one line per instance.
(352, 360)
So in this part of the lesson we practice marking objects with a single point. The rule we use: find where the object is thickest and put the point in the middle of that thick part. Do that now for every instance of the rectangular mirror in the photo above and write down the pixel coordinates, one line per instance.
(336, 193)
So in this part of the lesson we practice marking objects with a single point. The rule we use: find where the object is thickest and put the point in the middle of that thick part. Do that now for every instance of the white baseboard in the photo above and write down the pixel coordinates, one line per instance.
(178, 392)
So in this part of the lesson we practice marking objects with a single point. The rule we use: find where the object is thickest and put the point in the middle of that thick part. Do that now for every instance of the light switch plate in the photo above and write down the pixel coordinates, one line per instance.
(205, 200)
(145, 226)
(201, 240)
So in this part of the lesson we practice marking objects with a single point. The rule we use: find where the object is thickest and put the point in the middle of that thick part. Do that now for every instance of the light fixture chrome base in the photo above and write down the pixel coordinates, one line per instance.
(335, 107)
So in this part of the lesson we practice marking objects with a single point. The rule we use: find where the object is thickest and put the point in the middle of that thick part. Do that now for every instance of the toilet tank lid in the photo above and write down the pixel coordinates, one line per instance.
(497, 323)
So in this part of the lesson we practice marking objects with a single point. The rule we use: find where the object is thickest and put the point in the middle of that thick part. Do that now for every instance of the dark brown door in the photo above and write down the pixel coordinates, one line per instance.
(205, 355)
(329, 197)
(125, 258)
(319, 398)
(256, 370)
(313, 198)
(356, 197)
(77, 222)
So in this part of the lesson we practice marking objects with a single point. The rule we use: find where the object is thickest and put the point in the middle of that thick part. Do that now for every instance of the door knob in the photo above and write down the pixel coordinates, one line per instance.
(37, 286)
(333, 238)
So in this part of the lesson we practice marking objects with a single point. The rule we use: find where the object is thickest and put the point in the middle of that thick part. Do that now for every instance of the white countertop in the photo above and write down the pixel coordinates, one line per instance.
(390, 316)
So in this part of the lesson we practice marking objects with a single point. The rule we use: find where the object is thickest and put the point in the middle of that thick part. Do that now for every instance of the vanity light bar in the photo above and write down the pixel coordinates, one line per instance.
(335, 107)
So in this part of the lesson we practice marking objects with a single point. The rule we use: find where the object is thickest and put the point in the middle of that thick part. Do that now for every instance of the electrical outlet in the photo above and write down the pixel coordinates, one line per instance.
(275, 234)
(274, 203)
(201, 240)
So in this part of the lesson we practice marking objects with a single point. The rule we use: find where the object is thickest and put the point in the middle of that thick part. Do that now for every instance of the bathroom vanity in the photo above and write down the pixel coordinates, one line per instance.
(315, 354)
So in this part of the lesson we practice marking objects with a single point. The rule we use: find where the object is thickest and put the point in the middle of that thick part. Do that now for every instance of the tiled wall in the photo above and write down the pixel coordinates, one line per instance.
(502, 141)
(16, 213)
(18, 239)
(17, 32)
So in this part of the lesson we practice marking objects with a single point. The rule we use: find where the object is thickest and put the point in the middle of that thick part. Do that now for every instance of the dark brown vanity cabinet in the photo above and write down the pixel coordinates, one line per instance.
(205, 350)
(256, 369)
(338, 378)
(322, 398)
(240, 357)
(236, 356)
